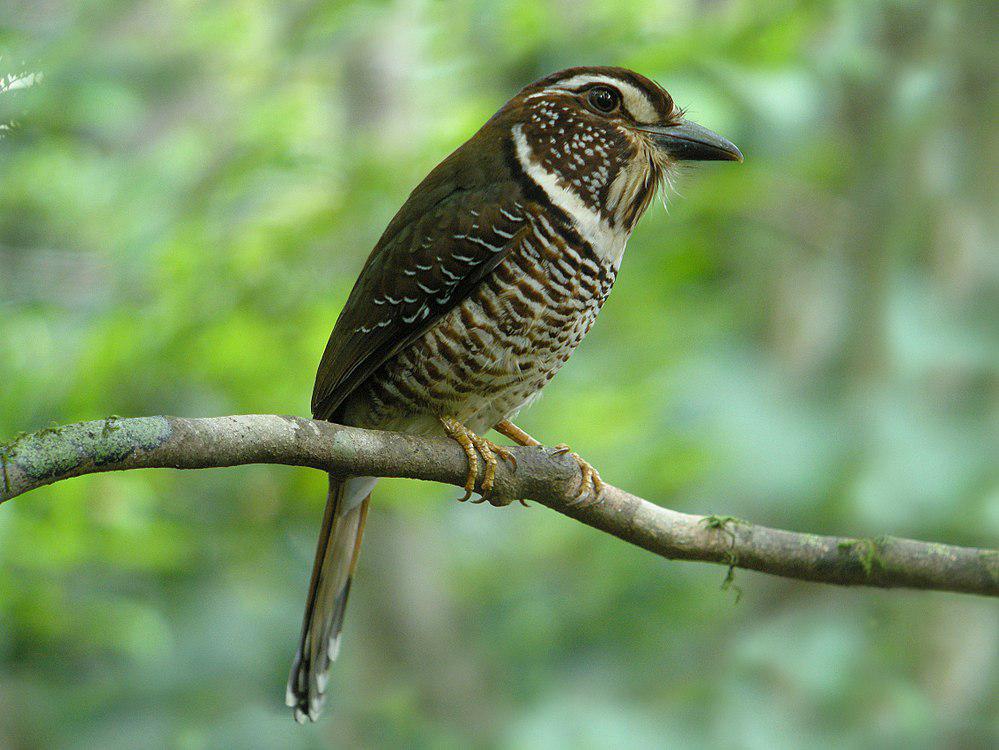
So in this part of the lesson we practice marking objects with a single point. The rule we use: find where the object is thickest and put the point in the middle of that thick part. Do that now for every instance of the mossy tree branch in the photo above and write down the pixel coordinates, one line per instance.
(116, 444)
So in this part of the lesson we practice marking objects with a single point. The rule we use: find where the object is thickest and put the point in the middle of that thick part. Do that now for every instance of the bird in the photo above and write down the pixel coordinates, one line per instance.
(479, 290)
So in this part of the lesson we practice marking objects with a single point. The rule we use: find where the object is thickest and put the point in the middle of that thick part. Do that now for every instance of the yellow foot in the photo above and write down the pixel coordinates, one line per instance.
(590, 483)
(590, 479)
(475, 446)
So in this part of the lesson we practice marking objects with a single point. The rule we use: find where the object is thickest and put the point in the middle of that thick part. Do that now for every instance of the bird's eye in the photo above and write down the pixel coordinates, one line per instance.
(604, 98)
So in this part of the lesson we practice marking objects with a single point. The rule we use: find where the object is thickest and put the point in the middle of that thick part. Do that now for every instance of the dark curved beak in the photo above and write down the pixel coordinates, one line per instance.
(688, 141)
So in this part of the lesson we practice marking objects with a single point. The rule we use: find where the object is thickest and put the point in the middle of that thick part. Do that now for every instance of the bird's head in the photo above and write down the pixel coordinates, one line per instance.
(607, 135)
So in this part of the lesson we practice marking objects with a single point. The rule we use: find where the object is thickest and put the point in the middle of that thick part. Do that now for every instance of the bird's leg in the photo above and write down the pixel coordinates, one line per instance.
(475, 446)
(517, 435)
(590, 478)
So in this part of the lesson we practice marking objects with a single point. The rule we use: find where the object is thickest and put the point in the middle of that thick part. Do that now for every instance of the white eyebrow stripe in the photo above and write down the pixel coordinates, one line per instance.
(585, 79)
(639, 104)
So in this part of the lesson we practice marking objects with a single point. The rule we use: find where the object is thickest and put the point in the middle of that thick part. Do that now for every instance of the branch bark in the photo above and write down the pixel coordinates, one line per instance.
(115, 444)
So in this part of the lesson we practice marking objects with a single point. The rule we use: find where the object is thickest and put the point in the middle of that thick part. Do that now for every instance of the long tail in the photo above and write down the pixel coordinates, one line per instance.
(336, 556)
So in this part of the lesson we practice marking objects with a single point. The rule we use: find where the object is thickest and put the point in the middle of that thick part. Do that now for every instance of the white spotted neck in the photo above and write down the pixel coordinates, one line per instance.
(607, 241)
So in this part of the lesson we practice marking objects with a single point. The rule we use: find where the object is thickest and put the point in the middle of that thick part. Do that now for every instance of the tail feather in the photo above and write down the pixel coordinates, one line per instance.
(336, 557)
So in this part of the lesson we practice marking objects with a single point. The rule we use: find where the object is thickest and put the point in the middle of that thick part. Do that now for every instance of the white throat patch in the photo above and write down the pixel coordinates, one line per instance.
(607, 242)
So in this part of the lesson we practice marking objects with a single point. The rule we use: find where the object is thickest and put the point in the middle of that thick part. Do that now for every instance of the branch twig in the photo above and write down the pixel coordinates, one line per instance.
(115, 444)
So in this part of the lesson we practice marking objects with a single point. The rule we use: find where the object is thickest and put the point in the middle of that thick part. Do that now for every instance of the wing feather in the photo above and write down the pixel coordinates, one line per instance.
(427, 262)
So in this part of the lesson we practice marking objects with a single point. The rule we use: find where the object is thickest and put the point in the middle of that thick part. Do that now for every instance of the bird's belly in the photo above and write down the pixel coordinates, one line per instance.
(491, 355)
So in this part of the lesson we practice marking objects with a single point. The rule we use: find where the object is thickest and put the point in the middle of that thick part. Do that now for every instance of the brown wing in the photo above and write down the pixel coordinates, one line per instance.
(441, 244)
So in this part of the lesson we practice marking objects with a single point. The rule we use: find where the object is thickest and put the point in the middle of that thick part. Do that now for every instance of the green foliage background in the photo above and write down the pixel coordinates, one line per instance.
(809, 340)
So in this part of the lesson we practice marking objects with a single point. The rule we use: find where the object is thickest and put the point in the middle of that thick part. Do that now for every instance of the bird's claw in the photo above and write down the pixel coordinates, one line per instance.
(590, 483)
(475, 446)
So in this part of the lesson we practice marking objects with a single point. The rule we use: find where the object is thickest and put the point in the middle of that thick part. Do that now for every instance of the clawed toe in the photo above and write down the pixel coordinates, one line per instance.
(474, 447)
(503, 453)
(590, 483)
(462, 436)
